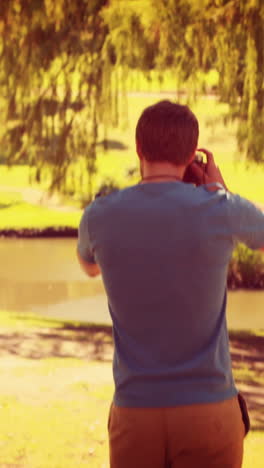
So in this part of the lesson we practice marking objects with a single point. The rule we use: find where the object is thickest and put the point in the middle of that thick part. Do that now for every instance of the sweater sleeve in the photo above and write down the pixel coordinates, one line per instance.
(246, 222)
(84, 245)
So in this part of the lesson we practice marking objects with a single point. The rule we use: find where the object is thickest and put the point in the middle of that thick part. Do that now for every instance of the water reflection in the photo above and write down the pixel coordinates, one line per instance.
(245, 310)
(23, 295)
(34, 260)
(43, 276)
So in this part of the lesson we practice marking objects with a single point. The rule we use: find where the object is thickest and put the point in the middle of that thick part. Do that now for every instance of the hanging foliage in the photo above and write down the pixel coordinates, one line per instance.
(52, 91)
(227, 35)
(189, 36)
(239, 42)
(64, 64)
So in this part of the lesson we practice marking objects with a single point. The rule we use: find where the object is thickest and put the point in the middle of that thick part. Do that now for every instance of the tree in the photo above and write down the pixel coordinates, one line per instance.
(52, 83)
(64, 64)
(188, 36)
(238, 43)
(227, 35)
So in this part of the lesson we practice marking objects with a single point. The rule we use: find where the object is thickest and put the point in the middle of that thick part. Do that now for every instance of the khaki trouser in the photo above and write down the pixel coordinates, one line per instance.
(203, 436)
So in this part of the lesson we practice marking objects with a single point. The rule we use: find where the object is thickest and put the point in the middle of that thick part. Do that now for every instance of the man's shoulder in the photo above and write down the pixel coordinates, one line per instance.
(104, 199)
(105, 203)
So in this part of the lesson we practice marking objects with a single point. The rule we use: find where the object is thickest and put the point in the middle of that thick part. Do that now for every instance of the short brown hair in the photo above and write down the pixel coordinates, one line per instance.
(167, 131)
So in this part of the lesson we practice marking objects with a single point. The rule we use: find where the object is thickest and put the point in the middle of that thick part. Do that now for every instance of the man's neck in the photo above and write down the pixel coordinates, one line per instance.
(160, 172)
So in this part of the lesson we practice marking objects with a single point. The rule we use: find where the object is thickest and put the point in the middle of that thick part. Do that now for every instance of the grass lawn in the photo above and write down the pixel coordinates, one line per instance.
(29, 216)
(17, 214)
(56, 388)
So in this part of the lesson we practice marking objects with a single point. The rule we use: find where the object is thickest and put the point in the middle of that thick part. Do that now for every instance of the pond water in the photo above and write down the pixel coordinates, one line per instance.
(43, 276)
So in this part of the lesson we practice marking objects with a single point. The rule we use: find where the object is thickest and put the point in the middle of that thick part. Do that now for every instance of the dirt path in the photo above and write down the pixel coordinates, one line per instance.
(36, 196)
(247, 353)
(21, 354)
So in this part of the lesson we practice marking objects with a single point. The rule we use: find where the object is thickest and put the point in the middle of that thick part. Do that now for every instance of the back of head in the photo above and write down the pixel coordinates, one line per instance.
(167, 132)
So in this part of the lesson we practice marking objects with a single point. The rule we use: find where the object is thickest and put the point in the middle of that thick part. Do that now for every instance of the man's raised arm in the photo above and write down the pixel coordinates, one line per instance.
(85, 251)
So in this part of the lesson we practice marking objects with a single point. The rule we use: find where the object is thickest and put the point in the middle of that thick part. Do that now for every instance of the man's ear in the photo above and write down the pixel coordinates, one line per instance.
(192, 157)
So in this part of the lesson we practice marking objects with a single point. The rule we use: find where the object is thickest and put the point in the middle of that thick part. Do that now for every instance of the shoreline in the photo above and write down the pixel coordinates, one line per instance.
(47, 232)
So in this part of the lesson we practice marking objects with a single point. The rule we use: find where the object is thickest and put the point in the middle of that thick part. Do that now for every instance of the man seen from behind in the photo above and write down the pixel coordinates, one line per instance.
(163, 247)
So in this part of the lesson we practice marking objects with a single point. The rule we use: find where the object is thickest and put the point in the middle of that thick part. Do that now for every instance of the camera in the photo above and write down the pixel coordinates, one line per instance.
(189, 175)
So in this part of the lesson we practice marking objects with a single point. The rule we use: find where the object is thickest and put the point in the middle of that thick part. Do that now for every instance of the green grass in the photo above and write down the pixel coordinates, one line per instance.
(53, 421)
(68, 432)
(244, 374)
(17, 176)
(22, 321)
(55, 415)
(8, 199)
(24, 215)
(254, 450)
(72, 432)
(18, 214)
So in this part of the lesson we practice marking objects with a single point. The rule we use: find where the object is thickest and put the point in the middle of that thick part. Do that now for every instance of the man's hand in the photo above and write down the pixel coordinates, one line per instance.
(208, 173)
(91, 269)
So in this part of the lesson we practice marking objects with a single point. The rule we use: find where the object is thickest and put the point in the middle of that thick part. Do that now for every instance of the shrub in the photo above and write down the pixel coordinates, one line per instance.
(246, 269)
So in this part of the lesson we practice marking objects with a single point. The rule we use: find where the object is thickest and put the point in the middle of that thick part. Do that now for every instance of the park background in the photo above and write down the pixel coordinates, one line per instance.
(74, 78)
